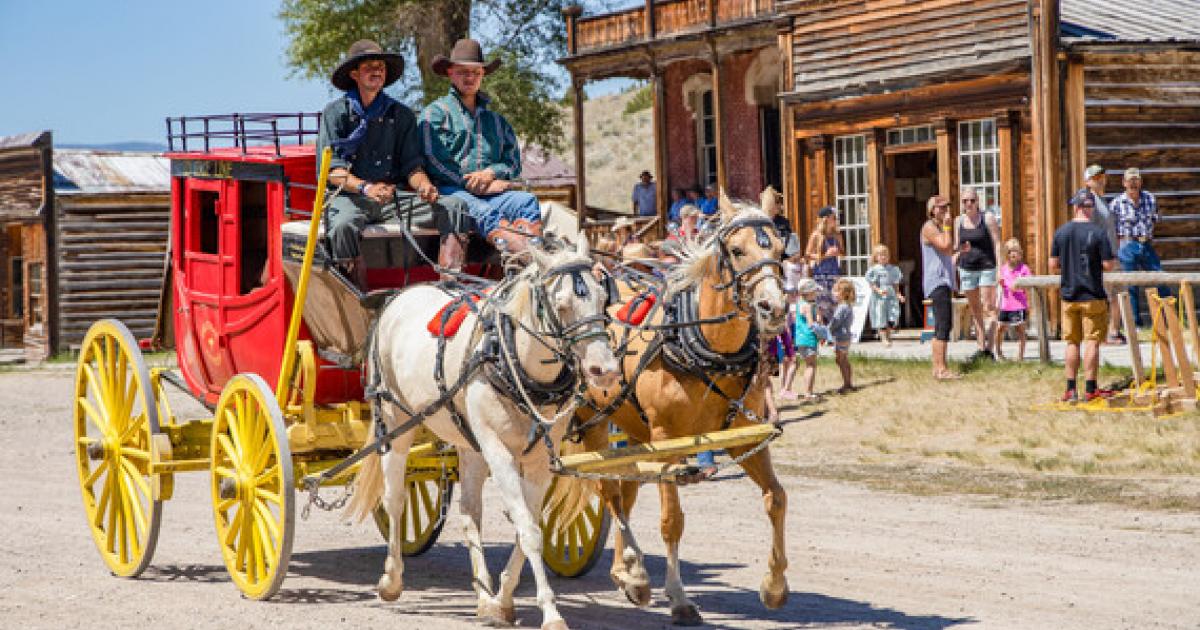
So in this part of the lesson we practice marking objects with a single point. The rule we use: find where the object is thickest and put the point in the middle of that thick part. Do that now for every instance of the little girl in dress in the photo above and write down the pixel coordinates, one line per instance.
(886, 298)
(1014, 305)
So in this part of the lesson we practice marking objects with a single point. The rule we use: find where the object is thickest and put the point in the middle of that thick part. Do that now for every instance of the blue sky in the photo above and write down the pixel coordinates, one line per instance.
(100, 72)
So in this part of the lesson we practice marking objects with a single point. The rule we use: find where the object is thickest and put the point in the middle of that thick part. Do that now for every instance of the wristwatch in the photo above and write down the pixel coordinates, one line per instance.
(362, 188)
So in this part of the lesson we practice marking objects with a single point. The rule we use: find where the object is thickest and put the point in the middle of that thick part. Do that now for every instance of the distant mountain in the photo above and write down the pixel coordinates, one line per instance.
(150, 147)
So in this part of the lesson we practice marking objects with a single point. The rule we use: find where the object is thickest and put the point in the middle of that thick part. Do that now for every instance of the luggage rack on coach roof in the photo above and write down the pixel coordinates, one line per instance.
(241, 131)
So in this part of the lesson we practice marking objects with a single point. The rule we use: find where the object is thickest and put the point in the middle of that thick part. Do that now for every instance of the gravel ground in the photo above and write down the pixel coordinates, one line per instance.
(859, 558)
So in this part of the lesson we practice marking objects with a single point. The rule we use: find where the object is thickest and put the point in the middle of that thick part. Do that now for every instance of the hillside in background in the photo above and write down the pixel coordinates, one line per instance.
(618, 147)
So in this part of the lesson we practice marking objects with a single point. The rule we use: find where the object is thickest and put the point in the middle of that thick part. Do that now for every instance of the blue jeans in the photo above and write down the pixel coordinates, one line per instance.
(704, 459)
(1135, 256)
(511, 205)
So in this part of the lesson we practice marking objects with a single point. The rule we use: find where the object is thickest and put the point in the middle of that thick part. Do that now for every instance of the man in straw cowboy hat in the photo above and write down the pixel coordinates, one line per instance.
(472, 152)
(375, 149)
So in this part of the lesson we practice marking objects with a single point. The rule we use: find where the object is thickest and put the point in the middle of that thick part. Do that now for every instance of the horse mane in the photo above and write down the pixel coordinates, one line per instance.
(695, 253)
(520, 289)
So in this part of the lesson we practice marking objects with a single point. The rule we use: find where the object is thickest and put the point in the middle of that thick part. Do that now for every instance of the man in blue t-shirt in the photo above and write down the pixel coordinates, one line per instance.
(1081, 252)
(708, 205)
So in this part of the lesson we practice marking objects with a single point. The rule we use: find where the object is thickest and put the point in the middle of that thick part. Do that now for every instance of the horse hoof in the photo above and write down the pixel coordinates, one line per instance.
(686, 615)
(773, 594)
(638, 594)
(495, 615)
(389, 591)
(555, 625)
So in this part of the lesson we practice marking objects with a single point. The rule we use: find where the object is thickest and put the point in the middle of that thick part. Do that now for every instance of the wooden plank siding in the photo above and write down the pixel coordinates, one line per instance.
(1143, 109)
(854, 47)
(112, 248)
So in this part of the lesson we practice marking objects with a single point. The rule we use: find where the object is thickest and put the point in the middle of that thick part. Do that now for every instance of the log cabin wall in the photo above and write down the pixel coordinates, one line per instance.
(112, 248)
(1142, 110)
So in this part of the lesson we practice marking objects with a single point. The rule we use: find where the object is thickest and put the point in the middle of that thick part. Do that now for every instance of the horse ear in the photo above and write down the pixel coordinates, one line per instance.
(728, 211)
(539, 256)
(768, 200)
(581, 244)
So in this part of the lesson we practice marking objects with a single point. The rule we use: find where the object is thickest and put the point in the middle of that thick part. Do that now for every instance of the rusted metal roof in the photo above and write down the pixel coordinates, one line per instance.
(84, 171)
(1131, 20)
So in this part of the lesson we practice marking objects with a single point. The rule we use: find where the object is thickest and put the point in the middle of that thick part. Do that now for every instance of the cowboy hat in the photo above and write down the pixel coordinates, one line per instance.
(365, 50)
(637, 253)
(623, 223)
(466, 52)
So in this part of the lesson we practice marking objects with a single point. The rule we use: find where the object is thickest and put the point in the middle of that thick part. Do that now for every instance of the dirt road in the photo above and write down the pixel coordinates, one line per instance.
(859, 558)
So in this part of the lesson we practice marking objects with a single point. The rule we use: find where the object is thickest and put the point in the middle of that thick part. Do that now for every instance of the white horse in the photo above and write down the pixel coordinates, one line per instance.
(557, 297)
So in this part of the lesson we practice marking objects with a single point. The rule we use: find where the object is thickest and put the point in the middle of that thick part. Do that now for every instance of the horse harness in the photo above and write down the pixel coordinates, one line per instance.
(494, 341)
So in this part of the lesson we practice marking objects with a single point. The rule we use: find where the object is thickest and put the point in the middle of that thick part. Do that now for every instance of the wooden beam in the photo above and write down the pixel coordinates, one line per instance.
(819, 193)
(661, 146)
(1039, 301)
(580, 153)
(1174, 332)
(1047, 113)
(649, 20)
(571, 14)
(947, 157)
(1161, 337)
(787, 143)
(1189, 308)
(1075, 114)
(1010, 205)
(875, 188)
(718, 110)
(667, 449)
(1135, 349)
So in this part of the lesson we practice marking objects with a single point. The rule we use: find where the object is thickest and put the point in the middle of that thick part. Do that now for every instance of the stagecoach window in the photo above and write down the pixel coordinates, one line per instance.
(253, 232)
(210, 222)
(850, 177)
(706, 135)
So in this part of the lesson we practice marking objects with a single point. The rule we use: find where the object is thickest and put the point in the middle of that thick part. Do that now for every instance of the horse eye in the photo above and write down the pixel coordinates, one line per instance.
(737, 252)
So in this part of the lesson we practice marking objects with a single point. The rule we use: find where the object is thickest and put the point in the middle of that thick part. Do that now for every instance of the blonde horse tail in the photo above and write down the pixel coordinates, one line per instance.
(368, 486)
(569, 496)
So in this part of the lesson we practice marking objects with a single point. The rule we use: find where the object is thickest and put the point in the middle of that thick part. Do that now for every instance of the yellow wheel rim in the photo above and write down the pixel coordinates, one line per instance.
(573, 551)
(114, 417)
(252, 491)
(422, 523)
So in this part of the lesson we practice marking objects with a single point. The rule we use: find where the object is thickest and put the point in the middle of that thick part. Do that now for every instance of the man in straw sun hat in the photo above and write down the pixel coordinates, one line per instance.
(375, 150)
(472, 151)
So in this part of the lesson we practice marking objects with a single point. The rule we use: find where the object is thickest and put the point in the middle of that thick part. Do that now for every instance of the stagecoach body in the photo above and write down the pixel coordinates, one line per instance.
(284, 376)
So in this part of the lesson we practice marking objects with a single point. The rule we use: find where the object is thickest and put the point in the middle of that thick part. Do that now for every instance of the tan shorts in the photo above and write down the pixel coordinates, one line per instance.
(1084, 321)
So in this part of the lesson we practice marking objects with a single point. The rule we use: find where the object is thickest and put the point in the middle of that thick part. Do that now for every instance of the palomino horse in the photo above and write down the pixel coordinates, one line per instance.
(544, 326)
(733, 290)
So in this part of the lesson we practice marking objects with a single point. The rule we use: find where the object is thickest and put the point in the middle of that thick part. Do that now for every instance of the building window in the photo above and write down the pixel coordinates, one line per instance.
(919, 134)
(850, 190)
(706, 136)
(35, 314)
(979, 161)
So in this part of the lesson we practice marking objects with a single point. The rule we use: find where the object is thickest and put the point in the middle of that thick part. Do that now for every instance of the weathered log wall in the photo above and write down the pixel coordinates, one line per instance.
(1143, 110)
(112, 253)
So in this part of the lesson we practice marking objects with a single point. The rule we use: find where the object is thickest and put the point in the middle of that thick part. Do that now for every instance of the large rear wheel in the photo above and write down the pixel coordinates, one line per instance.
(252, 486)
(428, 500)
(115, 417)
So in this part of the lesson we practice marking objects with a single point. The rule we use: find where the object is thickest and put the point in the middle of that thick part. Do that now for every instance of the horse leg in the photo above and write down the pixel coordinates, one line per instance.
(774, 588)
(395, 494)
(683, 611)
(629, 564)
(534, 494)
(529, 534)
(472, 472)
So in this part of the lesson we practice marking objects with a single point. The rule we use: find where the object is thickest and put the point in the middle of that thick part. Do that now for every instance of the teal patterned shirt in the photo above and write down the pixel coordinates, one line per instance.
(457, 141)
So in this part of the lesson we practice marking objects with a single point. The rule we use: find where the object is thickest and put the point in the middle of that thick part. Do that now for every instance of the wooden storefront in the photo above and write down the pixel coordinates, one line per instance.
(28, 303)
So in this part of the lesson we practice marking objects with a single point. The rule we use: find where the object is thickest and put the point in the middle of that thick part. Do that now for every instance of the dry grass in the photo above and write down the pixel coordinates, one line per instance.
(992, 433)
(618, 147)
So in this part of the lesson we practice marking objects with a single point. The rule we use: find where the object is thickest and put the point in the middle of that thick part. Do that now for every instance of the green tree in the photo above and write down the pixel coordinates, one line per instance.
(527, 34)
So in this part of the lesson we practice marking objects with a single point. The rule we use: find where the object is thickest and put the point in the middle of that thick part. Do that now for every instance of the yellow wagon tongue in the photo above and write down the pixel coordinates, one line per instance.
(648, 458)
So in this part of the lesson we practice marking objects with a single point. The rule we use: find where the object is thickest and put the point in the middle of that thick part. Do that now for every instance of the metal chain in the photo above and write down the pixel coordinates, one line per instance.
(670, 477)
(315, 499)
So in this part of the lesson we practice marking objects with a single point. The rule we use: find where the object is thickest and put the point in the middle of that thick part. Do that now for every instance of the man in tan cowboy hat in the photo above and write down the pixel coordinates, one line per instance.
(375, 149)
(472, 153)
(623, 232)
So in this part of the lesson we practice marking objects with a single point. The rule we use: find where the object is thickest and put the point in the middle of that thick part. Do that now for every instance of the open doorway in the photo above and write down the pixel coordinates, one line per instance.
(913, 177)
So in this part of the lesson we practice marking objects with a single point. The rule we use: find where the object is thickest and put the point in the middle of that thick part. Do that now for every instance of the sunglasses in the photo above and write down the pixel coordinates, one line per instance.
(941, 205)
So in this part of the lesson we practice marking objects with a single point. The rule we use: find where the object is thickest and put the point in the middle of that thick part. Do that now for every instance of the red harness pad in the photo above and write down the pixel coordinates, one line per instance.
(453, 322)
(634, 311)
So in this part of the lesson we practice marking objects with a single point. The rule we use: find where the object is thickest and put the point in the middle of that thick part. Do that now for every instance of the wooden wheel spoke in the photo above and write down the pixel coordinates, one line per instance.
(266, 477)
(223, 471)
(135, 503)
(110, 368)
(263, 513)
(267, 495)
(89, 410)
(413, 508)
(235, 442)
(573, 541)
(95, 387)
(426, 500)
(235, 525)
(260, 552)
(224, 505)
(135, 453)
(264, 450)
(136, 475)
(92, 478)
(243, 540)
(229, 448)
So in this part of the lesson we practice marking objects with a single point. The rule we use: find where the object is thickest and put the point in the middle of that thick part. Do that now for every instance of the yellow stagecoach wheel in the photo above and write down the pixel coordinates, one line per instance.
(252, 487)
(422, 514)
(573, 551)
(115, 415)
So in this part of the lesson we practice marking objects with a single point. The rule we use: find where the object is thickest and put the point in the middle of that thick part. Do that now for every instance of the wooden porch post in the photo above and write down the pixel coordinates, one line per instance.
(947, 157)
(649, 24)
(1009, 203)
(819, 194)
(1076, 121)
(788, 142)
(875, 200)
(1047, 125)
(718, 113)
(580, 154)
(661, 146)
